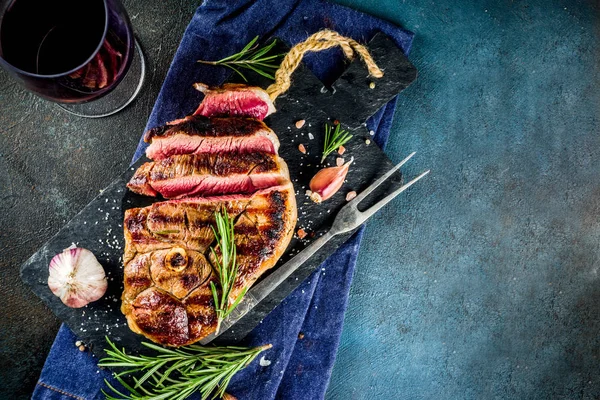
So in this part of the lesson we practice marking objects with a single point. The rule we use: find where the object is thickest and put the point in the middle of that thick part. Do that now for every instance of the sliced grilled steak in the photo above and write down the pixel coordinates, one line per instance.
(234, 99)
(167, 295)
(232, 163)
(209, 174)
(184, 223)
(187, 223)
(198, 134)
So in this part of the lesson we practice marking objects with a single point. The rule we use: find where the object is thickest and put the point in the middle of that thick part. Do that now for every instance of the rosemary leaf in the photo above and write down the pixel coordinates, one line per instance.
(334, 138)
(251, 58)
(261, 52)
(260, 72)
(177, 373)
(226, 266)
(238, 72)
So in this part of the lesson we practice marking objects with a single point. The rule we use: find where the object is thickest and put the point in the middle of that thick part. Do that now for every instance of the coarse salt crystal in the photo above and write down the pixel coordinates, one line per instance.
(264, 362)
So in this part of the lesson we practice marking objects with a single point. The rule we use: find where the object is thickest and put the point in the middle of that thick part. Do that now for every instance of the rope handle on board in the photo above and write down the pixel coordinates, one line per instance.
(319, 41)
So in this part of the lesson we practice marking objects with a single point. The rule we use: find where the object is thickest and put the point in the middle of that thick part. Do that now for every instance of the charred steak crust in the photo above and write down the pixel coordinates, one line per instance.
(167, 295)
(259, 242)
(211, 164)
(198, 135)
(199, 125)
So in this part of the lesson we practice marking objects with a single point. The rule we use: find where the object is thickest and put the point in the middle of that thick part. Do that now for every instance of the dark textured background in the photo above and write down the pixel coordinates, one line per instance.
(51, 165)
(481, 282)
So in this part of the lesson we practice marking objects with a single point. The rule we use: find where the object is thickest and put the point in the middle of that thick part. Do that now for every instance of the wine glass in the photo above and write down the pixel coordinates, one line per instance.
(79, 54)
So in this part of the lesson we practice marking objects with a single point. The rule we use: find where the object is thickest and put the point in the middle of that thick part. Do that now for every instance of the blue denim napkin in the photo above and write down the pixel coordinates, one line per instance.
(299, 368)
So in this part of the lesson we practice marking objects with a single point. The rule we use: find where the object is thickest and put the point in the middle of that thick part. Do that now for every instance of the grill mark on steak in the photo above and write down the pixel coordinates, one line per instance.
(265, 215)
(193, 218)
(276, 214)
(171, 315)
(204, 300)
(161, 318)
(140, 180)
(198, 125)
(213, 244)
(198, 135)
(252, 249)
(138, 281)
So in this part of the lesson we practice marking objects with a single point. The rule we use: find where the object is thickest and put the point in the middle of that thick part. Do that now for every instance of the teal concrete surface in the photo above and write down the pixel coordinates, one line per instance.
(482, 282)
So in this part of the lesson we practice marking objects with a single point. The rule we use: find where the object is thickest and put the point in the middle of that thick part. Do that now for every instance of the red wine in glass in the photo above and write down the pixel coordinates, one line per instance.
(67, 51)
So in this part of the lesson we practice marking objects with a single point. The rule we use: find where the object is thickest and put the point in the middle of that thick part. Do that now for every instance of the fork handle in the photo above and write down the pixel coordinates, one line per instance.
(263, 288)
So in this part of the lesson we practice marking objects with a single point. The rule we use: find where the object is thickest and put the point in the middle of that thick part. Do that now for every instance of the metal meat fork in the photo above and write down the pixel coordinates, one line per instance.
(347, 219)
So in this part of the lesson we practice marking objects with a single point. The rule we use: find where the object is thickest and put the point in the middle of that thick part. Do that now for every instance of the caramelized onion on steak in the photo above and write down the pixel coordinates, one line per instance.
(197, 134)
(167, 295)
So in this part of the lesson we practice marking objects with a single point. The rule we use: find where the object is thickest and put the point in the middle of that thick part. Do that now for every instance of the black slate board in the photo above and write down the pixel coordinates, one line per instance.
(98, 227)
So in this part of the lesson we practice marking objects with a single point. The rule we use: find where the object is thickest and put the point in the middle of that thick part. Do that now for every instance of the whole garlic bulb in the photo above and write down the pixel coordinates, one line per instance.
(77, 277)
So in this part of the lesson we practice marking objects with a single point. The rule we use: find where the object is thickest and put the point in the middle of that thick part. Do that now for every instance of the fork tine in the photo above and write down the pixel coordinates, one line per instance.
(379, 181)
(369, 212)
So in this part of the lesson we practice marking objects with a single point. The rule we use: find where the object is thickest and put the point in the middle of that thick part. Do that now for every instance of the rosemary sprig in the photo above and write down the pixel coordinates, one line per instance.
(226, 267)
(334, 138)
(252, 58)
(177, 373)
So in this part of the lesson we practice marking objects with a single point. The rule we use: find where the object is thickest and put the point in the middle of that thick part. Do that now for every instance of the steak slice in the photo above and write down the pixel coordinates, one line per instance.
(183, 223)
(188, 223)
(167, 295)
(198, 134)
(233, 99)
(209, 174)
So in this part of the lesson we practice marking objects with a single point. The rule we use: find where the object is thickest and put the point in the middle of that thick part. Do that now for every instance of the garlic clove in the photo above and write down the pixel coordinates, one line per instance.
(328, 181)
(301, 233)
(76, 277)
